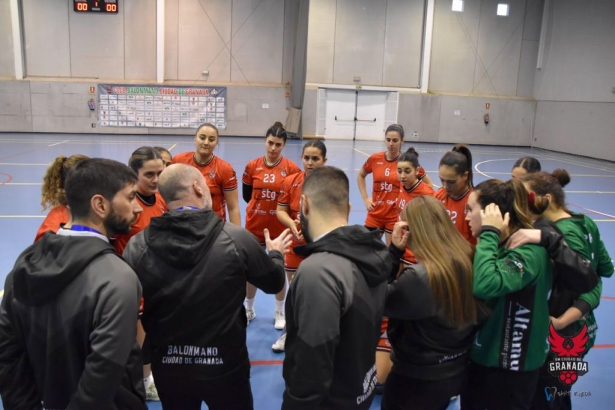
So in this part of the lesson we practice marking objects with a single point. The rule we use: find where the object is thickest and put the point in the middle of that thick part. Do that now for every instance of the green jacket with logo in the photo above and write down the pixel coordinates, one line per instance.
(515, 284)
(583, 236)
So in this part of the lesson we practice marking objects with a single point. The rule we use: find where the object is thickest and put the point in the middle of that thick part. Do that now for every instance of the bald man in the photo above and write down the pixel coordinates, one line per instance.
(193, 267)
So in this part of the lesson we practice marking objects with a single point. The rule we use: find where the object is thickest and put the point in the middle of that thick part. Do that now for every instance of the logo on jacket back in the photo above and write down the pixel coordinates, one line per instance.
(568, 364)
(369, 384)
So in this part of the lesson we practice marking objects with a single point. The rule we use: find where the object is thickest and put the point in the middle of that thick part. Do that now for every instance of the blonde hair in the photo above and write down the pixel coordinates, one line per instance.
(53, 183)
(447, 258)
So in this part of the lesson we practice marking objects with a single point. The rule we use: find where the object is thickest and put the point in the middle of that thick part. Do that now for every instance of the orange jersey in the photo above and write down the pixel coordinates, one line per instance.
(143, 220)
(457, 210)
(55, 219)
(405, 196)
(219, 175)
(290, 194)
(385, 188)
(266, 182)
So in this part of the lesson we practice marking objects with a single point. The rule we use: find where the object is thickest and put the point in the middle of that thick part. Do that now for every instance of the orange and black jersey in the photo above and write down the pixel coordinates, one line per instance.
(457, 210)
(264, 183)
(405, 196)
(219, 175)
(55, 219)
(143, 219)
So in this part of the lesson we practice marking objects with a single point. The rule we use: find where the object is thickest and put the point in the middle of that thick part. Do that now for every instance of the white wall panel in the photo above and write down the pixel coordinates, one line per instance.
(204, 40)
(257, 43)
(321, 41)
(7, 66)
(140, 39)
(403, 43)
(47, 46)
(171, 39)
(578, 128)
(579, 61)
(359, 39)
(97, 44)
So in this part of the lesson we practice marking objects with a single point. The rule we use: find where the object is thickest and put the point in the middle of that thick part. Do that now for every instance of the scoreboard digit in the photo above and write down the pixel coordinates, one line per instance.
(96, 6)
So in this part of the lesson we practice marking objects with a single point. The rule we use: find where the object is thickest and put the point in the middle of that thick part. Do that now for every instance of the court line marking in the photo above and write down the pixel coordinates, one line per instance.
(172, 146)
(24, 183)
(572, 175)
(360, 152)
(58, 143)
(23, 216)
(20, 164)
(592, 210)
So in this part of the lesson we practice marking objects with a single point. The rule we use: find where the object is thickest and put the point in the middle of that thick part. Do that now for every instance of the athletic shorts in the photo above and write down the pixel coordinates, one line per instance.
(292, 261)
(382, 225)
(383, 344)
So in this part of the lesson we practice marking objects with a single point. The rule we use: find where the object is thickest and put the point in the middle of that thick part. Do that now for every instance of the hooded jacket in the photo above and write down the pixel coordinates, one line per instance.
(68, 328)
(333, 315)
(193, 267)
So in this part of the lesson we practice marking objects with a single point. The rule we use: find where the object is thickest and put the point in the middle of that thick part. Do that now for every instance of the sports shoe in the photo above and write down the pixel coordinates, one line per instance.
(278, 346)
(151, 392)
(279, 320)
(250, 315)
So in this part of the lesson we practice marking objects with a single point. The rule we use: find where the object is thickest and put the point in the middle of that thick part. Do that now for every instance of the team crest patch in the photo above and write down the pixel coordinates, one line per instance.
(283, 173)
(212, 175)
(568, 364)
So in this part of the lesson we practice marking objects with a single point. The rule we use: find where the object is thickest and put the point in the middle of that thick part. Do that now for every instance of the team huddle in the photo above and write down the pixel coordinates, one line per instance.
(136, 273)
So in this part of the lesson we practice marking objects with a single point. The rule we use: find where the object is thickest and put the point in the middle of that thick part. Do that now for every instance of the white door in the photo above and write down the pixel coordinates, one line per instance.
(340, 114)
(371, 110)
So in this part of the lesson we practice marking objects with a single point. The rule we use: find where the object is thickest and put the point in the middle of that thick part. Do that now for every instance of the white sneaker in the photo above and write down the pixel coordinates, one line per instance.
(279, 320)
(151, 392)
(278, 346)
(250, 315)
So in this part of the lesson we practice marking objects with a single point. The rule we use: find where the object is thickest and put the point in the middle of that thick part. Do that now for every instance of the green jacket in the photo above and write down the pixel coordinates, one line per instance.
(515, 284)
(583, 236)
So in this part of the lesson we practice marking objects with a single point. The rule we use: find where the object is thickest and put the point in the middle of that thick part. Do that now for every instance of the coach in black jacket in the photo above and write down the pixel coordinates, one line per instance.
(193, 268)
(68, 321)
(335, 302)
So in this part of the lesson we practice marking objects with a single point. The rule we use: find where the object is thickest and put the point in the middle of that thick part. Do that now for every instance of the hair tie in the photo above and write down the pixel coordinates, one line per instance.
(531, 197)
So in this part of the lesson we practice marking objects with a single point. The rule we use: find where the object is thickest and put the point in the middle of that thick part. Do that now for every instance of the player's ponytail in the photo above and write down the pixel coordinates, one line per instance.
(53, 183)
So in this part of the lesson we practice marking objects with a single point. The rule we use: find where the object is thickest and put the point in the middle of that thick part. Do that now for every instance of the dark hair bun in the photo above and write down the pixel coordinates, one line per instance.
(562, 176)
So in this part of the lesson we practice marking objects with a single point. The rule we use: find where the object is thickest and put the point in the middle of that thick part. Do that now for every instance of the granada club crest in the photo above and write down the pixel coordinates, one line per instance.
(568, 364)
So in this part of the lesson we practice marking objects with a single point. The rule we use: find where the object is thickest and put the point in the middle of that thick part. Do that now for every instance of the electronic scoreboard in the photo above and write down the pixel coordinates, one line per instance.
(96, 6)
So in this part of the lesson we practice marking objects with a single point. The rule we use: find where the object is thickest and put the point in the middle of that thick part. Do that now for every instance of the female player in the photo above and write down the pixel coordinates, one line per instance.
(54, 196)
(510, 347)
(411, 186)
(314, 155)
(525, 166)
(431, 309)
(147, 163)
(381, 213)
(455, 171)
(262, 182)
(570, 309)
(167, 158)
(219, 174)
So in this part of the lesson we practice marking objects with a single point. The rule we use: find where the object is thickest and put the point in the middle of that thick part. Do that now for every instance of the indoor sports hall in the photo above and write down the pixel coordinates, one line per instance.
(508, 78)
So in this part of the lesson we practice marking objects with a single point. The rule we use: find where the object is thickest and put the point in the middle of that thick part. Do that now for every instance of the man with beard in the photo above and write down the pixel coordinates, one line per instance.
(335, 302)
(69, 314)
(194, 267)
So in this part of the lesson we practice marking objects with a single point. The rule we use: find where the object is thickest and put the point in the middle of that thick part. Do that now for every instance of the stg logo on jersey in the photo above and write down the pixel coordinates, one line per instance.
(568, 364)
